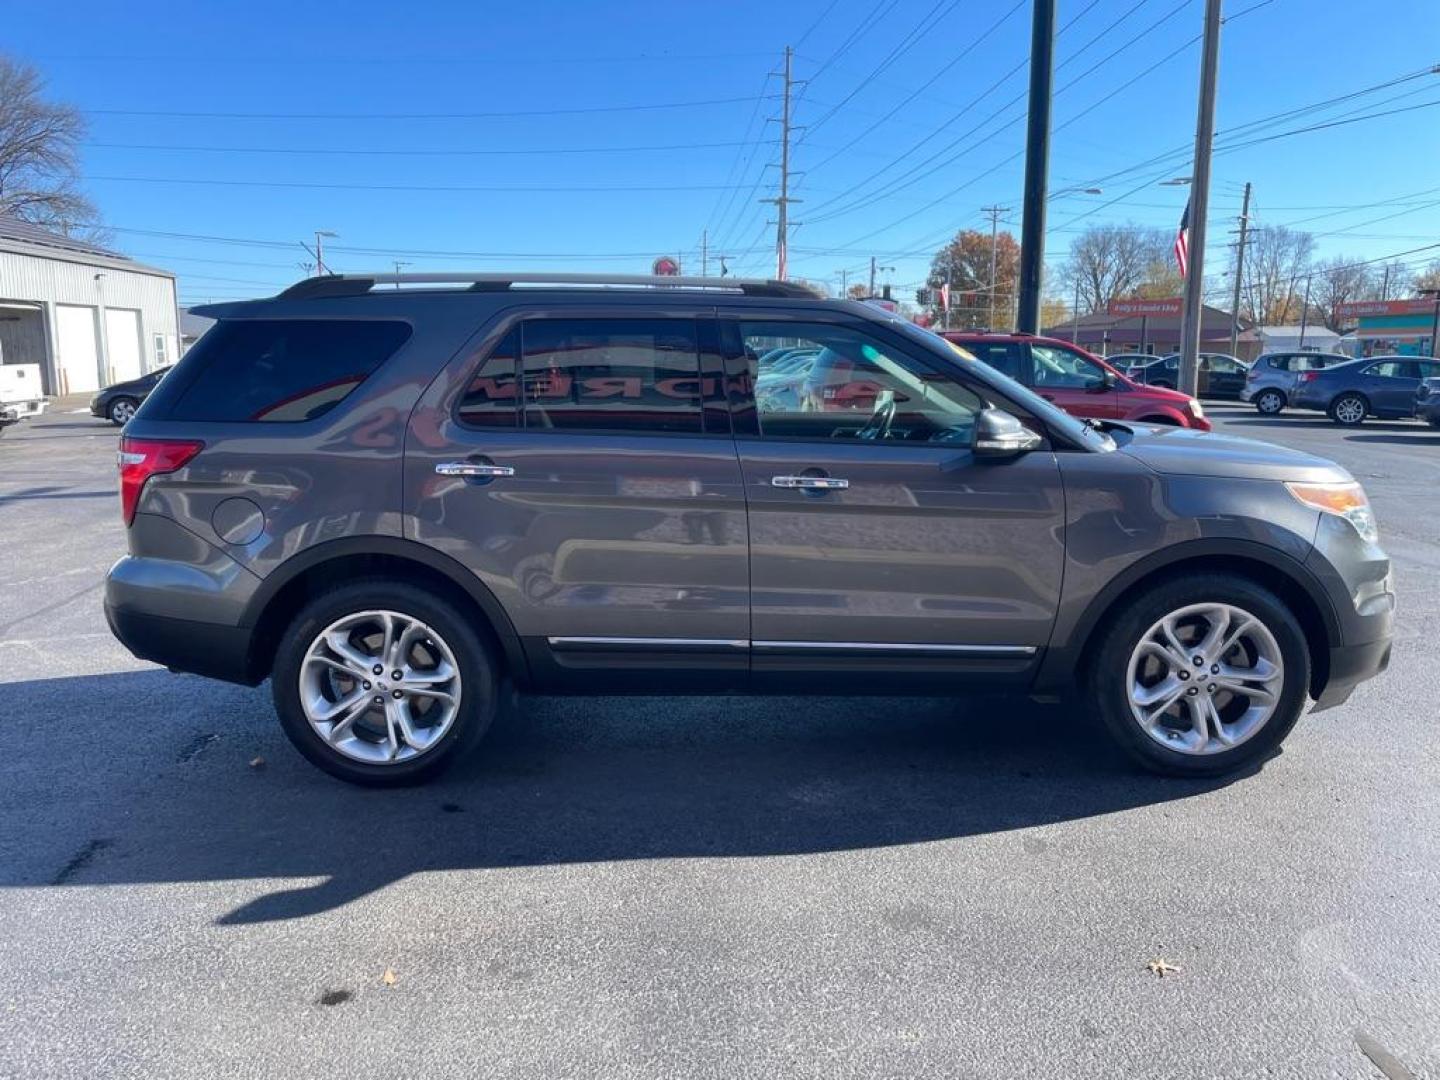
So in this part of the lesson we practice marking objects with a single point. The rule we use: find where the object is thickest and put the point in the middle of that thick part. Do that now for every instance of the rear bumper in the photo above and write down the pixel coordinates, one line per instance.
(217, 652)
(1429, 410)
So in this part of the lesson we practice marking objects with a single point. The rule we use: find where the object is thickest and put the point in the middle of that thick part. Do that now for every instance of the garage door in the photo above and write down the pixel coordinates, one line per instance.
(79, 353)
(122, 328)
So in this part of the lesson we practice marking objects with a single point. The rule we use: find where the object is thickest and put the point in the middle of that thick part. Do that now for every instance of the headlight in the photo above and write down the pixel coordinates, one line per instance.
(1195, 408)
(1343, 500)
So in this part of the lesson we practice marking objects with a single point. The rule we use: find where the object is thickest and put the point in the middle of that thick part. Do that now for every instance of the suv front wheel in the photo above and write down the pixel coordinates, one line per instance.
(383, 684)
(1202, 676)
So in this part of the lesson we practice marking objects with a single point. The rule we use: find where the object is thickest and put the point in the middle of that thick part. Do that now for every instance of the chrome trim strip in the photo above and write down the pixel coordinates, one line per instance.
(909, 647)
(801, 646)
(647, 643)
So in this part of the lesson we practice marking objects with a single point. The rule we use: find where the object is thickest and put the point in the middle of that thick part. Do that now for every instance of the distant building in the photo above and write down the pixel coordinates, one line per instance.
(191, 327)
(1267, 339)
(1142, 326)
(87, 316)
(1393, 327)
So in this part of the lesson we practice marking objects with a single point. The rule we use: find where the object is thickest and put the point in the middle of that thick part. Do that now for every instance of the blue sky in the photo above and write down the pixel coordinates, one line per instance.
(912, 125)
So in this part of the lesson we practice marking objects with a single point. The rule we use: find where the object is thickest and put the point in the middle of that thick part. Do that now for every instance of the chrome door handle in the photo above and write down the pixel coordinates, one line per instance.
(810, 483)
(471, 468)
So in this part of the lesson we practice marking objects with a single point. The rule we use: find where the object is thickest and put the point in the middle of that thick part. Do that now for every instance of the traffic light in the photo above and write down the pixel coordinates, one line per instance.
(923, 297)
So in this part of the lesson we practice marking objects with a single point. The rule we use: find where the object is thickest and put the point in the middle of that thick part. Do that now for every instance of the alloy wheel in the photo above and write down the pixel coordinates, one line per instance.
(1350, 410)
(380, 687)
(1205, 678)
(122, 411)
(1269, 403)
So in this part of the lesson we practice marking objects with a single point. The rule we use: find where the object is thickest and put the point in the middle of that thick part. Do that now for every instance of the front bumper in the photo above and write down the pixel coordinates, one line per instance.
(1350, 665)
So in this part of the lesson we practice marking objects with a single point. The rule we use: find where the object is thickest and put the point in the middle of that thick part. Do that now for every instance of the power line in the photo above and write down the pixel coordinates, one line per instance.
(418, 152)
(492, 115)
(348, 186)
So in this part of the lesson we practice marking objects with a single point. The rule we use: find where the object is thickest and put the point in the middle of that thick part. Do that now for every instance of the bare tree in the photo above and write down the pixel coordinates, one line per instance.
(1276, 262)
(1396, 279)
(1429, 279)
(1339, 281)
(39, 154)
(1109, 262)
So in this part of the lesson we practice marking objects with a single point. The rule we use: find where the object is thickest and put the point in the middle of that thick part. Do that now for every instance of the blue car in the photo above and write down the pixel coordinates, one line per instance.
(1380, 386)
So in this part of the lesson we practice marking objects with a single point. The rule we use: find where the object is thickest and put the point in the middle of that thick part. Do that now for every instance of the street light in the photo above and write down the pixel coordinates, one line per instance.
(1175, 181)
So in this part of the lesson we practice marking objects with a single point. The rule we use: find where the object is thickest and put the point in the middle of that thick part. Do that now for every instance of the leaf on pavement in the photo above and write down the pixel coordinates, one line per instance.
(389, 978)
(1162, 967)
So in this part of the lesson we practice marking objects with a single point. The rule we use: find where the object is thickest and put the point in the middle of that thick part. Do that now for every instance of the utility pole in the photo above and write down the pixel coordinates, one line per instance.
(845, 284)
(1385, 284)
(398, 263)
(1037, 167)
(1239, 270)
(1075, 315)
(1304, 313)
(1194, 311)
(783, 200)
(320, 234)
(872, 276)
(994, 212)
(704, 252)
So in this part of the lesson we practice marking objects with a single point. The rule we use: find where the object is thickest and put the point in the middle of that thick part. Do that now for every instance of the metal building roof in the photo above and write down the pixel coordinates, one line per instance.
(13, 232)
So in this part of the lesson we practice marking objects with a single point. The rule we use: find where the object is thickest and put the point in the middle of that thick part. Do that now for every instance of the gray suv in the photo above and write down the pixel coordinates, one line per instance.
(398, 502)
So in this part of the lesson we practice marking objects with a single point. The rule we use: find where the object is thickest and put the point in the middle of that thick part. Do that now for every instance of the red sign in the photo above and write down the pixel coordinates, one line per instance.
(1359, 308)
(1133, 308)
(665, 266)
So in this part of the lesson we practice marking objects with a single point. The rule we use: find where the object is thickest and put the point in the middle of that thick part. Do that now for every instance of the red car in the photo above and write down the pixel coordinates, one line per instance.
(1080, 383)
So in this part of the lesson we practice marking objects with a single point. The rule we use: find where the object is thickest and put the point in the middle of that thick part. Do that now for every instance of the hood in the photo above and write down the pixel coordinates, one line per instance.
(1161, 393)
(1183, 452)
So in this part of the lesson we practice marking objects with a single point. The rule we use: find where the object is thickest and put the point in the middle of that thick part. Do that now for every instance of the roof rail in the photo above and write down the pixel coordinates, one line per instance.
(330, 285)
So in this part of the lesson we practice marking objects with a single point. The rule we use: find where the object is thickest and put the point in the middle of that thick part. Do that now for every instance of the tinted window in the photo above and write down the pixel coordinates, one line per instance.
(1063, 369)
(611, 375)
(490, 399)
(1428, 368)
(281, 370)
(857, 387)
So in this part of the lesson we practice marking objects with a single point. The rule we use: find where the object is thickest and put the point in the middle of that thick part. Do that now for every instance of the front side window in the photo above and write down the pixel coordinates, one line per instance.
(277, 370)
(1064, 369)
(631, 375)
(856, 387)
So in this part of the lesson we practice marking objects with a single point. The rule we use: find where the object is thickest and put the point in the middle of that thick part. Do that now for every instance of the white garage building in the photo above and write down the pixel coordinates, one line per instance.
(88, 317)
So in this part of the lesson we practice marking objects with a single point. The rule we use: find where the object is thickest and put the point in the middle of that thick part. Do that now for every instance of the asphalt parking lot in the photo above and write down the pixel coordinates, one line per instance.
(703, 887)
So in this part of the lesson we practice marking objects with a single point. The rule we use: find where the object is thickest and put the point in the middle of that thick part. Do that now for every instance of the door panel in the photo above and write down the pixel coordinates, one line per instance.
(927, 563)
(1391, 386)
(620, 556)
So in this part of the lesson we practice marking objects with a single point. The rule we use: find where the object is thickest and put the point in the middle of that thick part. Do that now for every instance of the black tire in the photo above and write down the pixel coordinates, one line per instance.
(1270, 403)
(1122, 633)
(1350, 397)
(1433, 421)
(480, 680)
(115, 406)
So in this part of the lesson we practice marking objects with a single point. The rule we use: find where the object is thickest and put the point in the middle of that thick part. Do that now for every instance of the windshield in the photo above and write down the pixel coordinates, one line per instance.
(1078, 430)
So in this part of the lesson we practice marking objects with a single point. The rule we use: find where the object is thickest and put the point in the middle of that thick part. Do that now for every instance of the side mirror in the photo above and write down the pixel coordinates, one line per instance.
(1000, 435)
(1099, 384)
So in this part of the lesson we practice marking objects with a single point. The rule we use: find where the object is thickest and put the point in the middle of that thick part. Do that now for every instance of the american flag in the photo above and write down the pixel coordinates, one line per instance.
(1182, 242)
(945, 296)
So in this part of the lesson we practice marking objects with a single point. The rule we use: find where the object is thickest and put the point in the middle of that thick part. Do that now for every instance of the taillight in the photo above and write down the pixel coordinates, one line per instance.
(141, 459)
(1309, 376)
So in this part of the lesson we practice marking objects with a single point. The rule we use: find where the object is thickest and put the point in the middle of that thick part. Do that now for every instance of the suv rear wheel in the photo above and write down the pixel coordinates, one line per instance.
(382, 683)
(1202, 676)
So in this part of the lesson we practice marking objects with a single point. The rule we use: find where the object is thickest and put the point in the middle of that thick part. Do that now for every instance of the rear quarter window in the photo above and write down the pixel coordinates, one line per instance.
(280, 370)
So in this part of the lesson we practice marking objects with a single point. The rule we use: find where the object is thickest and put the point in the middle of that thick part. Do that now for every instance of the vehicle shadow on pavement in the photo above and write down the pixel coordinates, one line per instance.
(1419, 437)
(167, 784)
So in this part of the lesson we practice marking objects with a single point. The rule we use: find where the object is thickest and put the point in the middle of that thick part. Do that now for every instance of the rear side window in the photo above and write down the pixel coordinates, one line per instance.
(279, 370)
(626, 375)
(490, 400)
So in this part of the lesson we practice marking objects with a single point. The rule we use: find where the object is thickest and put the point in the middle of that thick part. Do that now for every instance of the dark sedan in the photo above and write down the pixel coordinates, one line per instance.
(118, 403)
(1381, 386)
(1220, 376)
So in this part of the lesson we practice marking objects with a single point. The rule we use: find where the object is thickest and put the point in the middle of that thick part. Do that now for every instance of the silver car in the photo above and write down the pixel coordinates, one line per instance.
(1270, 383)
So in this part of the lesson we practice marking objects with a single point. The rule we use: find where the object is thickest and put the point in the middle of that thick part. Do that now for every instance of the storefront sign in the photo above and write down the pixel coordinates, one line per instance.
(1359, 309)
(1134, 308)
